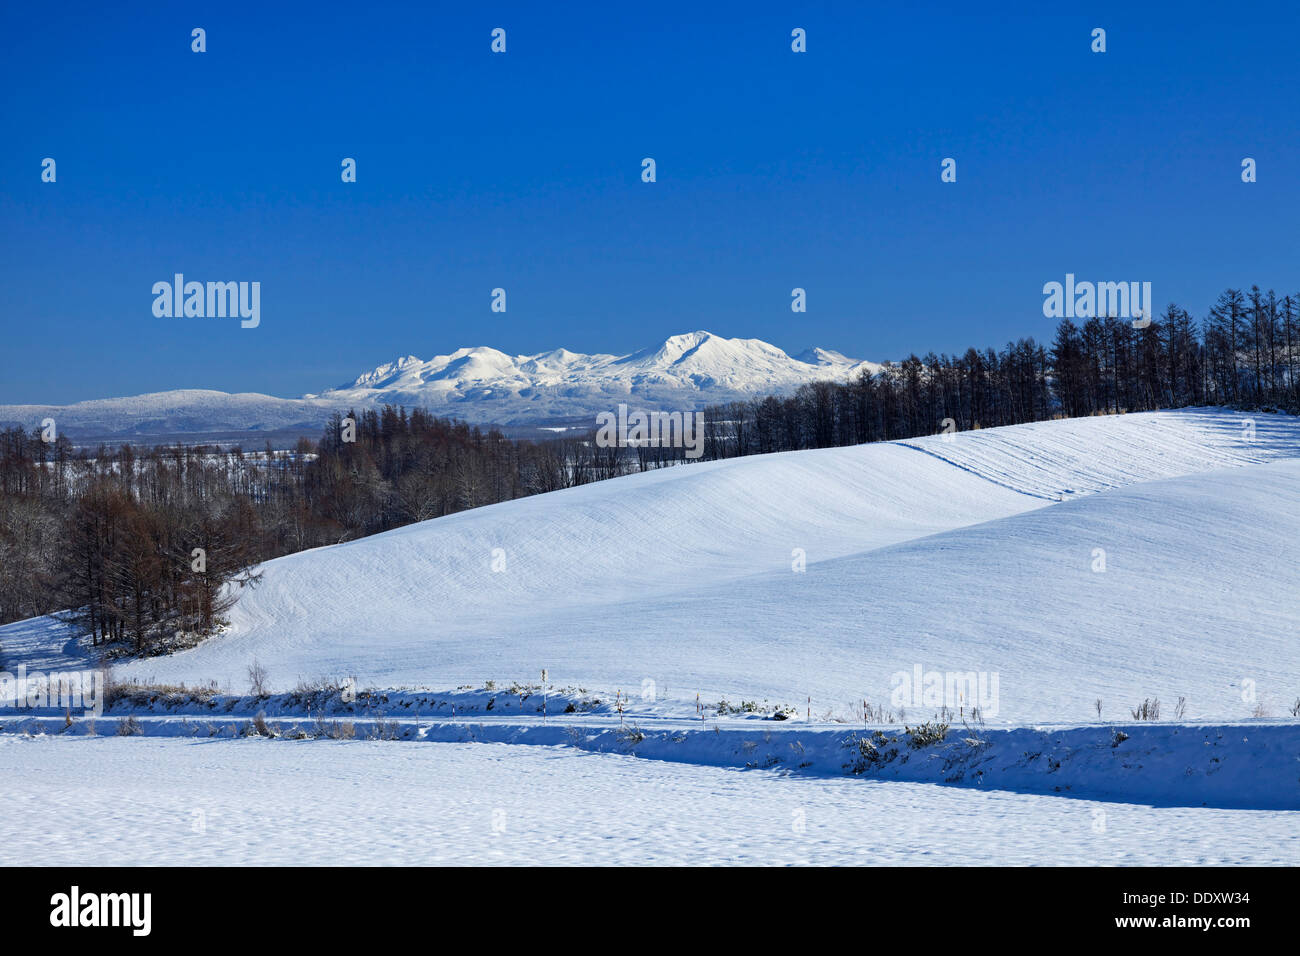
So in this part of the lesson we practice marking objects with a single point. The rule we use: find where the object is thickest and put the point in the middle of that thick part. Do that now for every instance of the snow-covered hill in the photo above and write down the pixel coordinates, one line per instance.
(480, 385)
(984, 553)
(163, 414)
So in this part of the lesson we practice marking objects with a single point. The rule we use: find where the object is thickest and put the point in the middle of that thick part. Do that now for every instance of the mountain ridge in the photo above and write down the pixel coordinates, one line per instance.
(479, 385)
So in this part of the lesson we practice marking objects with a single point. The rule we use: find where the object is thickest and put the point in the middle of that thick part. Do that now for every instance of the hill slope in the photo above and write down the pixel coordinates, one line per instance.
(952, 555)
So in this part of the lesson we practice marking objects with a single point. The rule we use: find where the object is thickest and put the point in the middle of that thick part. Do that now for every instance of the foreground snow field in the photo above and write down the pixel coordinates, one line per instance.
(1072, 565)
(168, 801)
(1248, 765)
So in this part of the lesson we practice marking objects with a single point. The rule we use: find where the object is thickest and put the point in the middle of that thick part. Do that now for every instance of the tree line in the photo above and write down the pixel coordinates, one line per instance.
(1245, 353)
(149, 547)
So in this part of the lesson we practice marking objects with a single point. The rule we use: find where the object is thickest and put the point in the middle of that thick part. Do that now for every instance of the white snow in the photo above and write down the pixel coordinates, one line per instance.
(978, 554)
(684, 577)
(1243, 765)
(685, 371)
(1061, 459)
(223, 802)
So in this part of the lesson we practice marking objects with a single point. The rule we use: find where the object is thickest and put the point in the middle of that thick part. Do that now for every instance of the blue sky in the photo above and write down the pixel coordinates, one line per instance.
(475, 171)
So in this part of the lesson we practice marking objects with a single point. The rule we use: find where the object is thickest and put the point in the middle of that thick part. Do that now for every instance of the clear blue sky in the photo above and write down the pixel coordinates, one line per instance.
(522, 170)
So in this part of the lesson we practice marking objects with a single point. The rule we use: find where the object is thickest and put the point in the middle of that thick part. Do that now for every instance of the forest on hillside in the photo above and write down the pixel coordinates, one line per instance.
(1245, 353)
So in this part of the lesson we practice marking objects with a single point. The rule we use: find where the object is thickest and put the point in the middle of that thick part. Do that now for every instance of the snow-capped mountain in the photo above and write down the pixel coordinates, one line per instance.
(683, 372)
(479, 385)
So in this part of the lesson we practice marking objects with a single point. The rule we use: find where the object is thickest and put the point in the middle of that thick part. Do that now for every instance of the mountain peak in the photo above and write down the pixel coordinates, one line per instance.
(385, 371)
(689, 339)
(676, 347)
(686, 371)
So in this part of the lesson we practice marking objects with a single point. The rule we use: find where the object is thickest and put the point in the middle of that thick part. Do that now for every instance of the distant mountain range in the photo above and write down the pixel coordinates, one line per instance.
(477, 385)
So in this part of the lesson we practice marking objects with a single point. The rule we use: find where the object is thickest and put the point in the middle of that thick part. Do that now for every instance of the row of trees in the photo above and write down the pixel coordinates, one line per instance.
(150, 547)
(143, 544)
(139, 547)
(1245, 353)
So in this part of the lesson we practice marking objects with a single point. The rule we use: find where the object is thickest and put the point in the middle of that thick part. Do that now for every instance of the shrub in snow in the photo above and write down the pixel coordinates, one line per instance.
(869, 752)
(1149, 709)
(930, 732)
(630, 735)
(257, 679)
(129, 727)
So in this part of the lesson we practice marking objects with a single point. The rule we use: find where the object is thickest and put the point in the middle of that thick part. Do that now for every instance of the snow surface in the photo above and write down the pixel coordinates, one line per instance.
(955, 556)
(231, 802)
(1061, 459)
(685, 371)
(978, 553)
(1243, 765)
(180, 410)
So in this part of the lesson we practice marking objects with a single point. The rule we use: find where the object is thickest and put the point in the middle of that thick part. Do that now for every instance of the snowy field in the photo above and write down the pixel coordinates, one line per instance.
(224, 802)
(1083, 566)
(975, 554)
